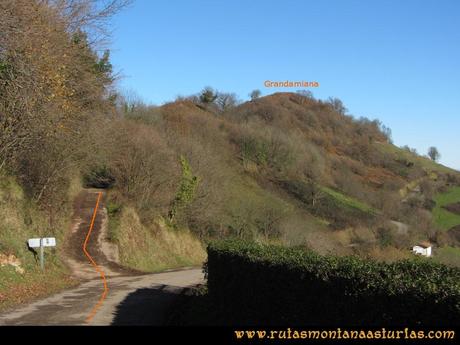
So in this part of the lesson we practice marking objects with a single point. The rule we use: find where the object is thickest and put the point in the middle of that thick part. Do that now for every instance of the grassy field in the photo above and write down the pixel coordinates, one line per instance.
(444, 219)
(448, 255)
(349, 201)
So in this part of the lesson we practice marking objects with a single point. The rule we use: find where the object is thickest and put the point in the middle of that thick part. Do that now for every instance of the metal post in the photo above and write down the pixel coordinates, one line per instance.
(42, 255)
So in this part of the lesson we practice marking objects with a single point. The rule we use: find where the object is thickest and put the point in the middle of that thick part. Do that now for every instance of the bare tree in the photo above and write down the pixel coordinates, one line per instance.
(129, 101)
(91, 16)
(51, 83)
(133, 152)
(337, 105)
(226, 101)
(305, 93)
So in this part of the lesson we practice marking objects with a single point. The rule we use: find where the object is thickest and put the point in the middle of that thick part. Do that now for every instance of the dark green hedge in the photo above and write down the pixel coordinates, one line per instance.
(273, 285)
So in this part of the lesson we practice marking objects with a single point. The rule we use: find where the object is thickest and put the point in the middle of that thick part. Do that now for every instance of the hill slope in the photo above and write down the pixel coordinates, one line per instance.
(292, 169)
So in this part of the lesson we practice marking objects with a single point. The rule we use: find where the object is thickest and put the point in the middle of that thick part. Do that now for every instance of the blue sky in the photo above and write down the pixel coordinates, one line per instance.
(398, 61)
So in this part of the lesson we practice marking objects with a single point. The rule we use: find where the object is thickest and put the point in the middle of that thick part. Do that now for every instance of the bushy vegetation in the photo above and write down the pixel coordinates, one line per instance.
(277, 159)
(21, 219)
(186, 191)
(255, 284)
(53, 87)
(98, 177)
(285, 168)
(55, 90)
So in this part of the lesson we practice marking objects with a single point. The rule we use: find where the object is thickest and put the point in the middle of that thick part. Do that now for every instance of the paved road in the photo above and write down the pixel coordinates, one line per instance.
(139, 300)
(133, 298)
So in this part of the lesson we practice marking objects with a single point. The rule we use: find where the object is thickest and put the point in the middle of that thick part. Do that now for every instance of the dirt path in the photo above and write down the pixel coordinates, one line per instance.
(104, 253)
(133, 298)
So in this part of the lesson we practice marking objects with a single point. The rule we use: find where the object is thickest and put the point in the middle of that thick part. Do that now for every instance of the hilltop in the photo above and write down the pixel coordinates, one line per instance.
(291, 169)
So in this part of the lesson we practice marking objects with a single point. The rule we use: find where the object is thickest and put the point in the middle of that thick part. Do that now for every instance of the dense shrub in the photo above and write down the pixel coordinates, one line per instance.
(141, 164)
(272, 285)
(187, 189)
(99, 177)
(51, 92)
(270, 149)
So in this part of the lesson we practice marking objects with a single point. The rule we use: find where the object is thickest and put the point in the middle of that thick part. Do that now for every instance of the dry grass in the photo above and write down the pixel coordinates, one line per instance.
(18, 289)
(20, 220)
(389, 254)
(156, 247)
(448, 256)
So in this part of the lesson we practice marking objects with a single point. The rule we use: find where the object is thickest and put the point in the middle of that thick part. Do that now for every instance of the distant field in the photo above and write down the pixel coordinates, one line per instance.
(349, 201)
(444, 219)
(448, 256)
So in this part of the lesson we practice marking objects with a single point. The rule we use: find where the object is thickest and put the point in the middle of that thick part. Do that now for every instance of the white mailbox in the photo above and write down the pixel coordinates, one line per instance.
(34, 243)
(49, 242)
(42, 243)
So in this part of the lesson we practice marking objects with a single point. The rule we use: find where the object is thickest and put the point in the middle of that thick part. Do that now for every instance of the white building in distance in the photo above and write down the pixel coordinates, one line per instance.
(424, 249)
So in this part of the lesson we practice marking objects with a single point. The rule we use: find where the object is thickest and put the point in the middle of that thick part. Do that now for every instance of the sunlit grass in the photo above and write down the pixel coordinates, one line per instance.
(448, 256)
(444, 219)
(349, 201)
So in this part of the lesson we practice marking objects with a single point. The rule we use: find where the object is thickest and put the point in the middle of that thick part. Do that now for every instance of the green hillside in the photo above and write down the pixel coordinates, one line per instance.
(444, 219)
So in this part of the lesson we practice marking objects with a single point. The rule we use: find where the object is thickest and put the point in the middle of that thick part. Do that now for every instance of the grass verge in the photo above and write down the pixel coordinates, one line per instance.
(18, 288)
(20, 220)
(152, 248)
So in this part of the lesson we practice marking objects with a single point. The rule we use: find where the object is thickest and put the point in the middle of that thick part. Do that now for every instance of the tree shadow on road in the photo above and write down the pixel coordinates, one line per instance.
(149, 306)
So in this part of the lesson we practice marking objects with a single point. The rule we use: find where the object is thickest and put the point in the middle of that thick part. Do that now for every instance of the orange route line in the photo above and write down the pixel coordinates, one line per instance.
(96, 267)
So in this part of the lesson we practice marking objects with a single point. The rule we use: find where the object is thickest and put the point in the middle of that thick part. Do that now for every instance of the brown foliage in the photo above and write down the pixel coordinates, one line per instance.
(51, 84)
(145, 169)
